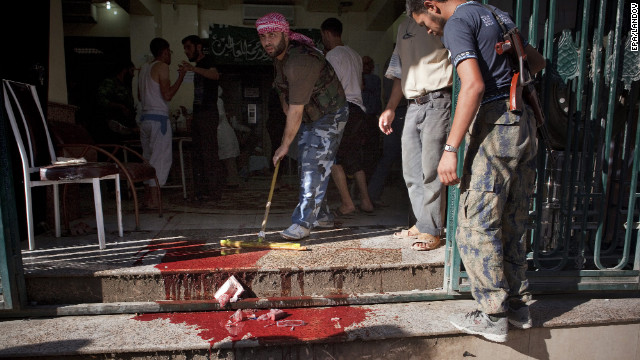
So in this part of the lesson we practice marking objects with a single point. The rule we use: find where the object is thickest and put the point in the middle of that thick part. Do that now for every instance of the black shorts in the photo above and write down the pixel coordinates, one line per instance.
(350, 153)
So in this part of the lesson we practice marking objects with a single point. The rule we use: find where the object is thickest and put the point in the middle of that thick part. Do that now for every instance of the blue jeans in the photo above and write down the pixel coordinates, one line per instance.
(317, 148)
(423, 138)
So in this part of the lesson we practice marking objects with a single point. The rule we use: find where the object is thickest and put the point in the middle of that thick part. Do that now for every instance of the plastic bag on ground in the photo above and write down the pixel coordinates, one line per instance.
(229, 291)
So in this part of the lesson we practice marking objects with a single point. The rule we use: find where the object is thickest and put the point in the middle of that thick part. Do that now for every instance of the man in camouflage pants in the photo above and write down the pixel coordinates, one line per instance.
(314, 102)
(499, 163)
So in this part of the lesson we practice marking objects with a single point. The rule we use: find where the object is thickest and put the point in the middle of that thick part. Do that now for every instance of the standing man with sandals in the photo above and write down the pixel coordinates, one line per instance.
(421, 70)
(499, 165)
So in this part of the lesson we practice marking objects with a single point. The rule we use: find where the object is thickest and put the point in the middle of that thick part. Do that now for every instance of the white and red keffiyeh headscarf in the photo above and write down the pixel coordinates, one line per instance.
(276, 22)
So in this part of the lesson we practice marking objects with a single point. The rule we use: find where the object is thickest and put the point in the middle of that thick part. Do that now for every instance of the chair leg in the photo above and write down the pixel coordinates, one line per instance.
(119, 206)
(159, 197)
(155, 198)
(136, 207)
(184, 187)
(97, 198)
(56, 209)
(65, 211)
(30, 225)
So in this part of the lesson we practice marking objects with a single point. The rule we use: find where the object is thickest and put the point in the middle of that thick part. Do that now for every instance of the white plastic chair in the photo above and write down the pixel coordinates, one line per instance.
(38, 157)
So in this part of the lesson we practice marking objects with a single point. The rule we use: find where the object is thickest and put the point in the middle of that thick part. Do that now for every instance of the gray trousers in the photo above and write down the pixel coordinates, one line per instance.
(424, 135)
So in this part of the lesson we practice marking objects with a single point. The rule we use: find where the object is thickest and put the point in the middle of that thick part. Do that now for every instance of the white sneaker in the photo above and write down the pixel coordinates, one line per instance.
(295, 232)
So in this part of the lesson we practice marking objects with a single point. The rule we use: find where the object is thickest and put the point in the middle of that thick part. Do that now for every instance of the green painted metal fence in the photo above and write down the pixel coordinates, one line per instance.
(584, 214)
(12, 286)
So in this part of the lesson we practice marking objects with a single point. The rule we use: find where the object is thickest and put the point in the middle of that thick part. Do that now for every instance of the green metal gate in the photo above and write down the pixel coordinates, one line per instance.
(12, 286)
(584, 213)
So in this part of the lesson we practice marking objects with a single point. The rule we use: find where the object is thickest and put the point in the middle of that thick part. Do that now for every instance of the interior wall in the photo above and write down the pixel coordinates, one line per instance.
(375, 44)
(57, 78)
(109, 24)
(175, 22)
(178, 22)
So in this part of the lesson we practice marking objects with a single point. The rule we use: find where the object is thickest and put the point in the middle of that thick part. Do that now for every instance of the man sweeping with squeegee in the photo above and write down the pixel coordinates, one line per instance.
(313, 100)
(312, 97)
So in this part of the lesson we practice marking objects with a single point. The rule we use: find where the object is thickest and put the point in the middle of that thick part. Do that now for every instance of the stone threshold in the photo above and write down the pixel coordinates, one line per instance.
(349, 328)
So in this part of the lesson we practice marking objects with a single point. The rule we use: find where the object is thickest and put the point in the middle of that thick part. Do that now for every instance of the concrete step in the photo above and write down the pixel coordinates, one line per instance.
(190, 265)
(565, 327)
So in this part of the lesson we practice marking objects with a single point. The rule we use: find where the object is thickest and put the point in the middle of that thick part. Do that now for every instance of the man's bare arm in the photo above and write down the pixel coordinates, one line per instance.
(469, 100)
(283, 102)
(210, 73)
(294, 119)
(388, 115)
(167, 90)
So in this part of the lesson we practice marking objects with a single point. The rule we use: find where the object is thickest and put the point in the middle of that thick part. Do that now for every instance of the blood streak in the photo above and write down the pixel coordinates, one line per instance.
(211, 325)
(193, 269)
(198, 255)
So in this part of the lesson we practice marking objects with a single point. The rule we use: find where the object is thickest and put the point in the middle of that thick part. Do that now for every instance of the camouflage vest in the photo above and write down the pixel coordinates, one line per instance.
(327, 96)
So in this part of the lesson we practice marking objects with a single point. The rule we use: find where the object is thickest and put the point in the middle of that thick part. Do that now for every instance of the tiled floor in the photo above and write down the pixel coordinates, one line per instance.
(361, 239)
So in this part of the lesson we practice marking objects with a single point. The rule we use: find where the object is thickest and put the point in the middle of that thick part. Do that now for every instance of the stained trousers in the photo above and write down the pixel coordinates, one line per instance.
(495, 193)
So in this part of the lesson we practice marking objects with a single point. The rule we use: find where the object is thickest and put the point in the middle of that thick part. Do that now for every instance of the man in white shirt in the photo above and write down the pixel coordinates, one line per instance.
(154, 92)
(347, 64)
(422, 73)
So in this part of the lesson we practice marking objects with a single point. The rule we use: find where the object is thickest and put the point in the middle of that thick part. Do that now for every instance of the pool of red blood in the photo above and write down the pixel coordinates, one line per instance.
(211, 326)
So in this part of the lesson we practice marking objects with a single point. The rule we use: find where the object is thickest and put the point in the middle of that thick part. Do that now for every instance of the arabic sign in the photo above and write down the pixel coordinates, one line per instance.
(234, 45)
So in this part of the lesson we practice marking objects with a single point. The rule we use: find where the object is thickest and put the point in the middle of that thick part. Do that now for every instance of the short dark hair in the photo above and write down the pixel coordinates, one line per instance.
(333, 26)
(158, 45)
(194, 39)
(417, 6)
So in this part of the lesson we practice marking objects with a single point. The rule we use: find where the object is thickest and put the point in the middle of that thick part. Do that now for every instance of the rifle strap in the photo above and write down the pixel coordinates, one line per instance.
(498, 19)
(544, 134)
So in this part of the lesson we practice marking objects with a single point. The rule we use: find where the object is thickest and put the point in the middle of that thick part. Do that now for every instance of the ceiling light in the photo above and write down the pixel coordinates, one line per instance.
(108, 5)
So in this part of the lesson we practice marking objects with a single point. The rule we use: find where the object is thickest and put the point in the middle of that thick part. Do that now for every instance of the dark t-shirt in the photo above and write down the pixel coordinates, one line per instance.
(371, 93)
(205, 91)
(301, 73)
(473, 32)
(306, 78)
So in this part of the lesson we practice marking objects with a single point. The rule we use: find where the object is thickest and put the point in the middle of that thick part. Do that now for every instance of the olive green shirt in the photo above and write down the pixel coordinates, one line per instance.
(306, 78)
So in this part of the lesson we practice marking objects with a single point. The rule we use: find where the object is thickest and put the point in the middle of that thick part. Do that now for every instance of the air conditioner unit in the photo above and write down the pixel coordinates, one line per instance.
(251, 12)
(75, 11)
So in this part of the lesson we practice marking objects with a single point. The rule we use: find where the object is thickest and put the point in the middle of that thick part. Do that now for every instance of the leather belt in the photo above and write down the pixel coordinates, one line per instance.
(421, 100)
(495, 95)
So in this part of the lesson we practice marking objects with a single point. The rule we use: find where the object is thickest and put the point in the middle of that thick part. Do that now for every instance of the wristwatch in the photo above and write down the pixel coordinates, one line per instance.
(450, 148)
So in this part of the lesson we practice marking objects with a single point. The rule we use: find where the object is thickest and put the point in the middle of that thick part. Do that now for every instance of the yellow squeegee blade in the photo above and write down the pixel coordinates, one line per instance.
(262, 245)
